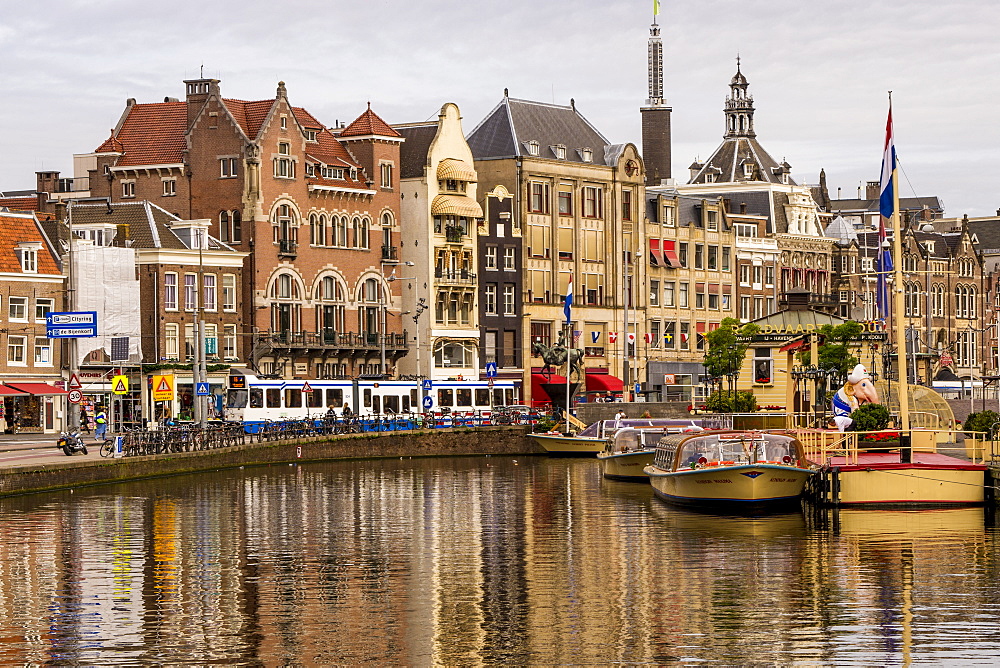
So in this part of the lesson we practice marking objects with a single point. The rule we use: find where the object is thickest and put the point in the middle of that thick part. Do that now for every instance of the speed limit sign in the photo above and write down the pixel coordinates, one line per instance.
(74, 396)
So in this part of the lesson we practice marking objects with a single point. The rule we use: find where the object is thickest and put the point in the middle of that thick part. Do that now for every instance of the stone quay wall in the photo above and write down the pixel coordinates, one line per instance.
(74, 472)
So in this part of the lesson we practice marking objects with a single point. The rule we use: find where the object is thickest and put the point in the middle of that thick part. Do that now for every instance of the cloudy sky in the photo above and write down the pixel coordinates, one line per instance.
(819, 73)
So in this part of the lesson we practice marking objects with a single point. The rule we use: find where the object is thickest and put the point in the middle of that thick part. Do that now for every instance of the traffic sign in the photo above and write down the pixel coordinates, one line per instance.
(72, 318)
(491, 369)
(71, 332)
(74, 382)
(74, 396)
(426, 384)
(306, 387)
(119, 384)
(428, 402)
(202, 390)
(163, 388)
(489, 382)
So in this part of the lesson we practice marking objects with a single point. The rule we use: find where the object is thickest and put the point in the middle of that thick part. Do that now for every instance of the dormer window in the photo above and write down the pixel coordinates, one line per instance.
(709, 178)
(587, 155)
(311, 170)
(27, 254)
(532, 147)
(310, 135)
(784, 177)
(747, 170)
(559, 150)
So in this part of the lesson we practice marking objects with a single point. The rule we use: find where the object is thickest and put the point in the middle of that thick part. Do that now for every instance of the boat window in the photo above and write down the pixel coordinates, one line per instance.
(256, 397)
(444, 398)
(406, 402)
(236, 399)
(463, 397)
(293, 397)
(368, 398)
(498, 397)
(273, 397)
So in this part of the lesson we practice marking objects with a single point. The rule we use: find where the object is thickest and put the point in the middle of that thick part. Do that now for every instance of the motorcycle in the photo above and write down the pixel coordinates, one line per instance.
(71, 443)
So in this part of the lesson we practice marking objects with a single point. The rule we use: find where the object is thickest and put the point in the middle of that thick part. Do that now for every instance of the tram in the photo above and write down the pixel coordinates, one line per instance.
(254, 400)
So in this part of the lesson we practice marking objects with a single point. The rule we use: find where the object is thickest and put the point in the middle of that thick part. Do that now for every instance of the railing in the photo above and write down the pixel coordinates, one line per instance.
(454, 234)
(331, 339)
(190, 438)
(389, 253)
(287, 247)
(460, 276)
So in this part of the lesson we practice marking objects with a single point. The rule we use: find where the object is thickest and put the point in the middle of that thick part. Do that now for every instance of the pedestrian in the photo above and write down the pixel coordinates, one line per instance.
(347, 412)
(620, 415)
(331, 412)
(101, 420)
(84, 420)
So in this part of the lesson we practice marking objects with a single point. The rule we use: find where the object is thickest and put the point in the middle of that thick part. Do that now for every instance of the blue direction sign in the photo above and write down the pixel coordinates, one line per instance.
(491, 369)
(426, 385)
(428, 402)
(202, 390)
(71, 324)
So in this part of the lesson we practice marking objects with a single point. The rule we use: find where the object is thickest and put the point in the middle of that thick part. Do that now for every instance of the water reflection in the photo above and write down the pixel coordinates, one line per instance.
(522, 561)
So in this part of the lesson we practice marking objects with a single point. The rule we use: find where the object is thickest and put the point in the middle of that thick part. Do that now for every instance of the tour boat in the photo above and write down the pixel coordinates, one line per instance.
(630, 450)
(744, 469)
(591, 440)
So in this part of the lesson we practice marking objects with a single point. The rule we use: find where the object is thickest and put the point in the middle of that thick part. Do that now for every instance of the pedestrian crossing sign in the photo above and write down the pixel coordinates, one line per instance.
(119, 384)
(163, 388)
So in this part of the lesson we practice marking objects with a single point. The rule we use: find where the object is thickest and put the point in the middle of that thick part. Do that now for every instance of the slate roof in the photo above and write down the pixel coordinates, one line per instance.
(987, 234)
(413, 152)
(143, 223)
(841, 230)
(728, 158)
(16, 228)
(505, 131)
(905, 203)
(368, 123)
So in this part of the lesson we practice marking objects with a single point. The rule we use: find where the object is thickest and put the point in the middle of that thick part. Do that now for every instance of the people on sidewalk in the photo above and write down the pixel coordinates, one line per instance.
(102, 424)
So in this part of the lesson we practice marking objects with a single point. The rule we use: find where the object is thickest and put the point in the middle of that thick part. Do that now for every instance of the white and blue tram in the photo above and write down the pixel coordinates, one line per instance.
(253, 400)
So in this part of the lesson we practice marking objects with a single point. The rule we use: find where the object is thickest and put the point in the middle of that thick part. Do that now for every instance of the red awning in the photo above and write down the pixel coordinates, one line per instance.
(794, 344)
(9, 392)
(538, 395)
(669, 254)
(603, 382)
(655, 254)
(38, 389)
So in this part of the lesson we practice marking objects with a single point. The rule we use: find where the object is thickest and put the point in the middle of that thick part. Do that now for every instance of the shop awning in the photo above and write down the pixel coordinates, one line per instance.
(38, 389)
(456, 205)
(670, 254)
(655, 254)
(451, 168)
(10, 392)
(538, 395)
(604, 382)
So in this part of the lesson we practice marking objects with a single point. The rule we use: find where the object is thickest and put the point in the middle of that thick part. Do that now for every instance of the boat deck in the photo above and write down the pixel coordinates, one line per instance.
(887, 461)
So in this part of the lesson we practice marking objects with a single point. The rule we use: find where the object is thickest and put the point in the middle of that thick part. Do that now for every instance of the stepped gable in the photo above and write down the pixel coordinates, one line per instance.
(368, 124)
(512, 124)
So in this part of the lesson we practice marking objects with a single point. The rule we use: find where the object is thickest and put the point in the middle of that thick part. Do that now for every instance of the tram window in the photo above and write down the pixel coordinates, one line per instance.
(335, 398)
(315, 398)
(498, 398)
(293, 397)
(406, 402)
(273, 397)
(511, 399)
(368, 399)
(392, 404)
(256, 397)
(413, 397)
(444, 398)
(482, 397)
(463, 396)
(236, 399)
(375, 404)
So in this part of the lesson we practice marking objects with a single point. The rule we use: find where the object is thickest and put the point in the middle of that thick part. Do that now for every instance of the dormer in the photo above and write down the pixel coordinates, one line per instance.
(586, 154)
(559, 151)
(27, 255)
(192, 233)
(531, 146)
(695, 168)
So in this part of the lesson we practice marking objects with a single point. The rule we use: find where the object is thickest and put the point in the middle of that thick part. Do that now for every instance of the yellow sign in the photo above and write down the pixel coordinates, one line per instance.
(119, 384)
(163, 388)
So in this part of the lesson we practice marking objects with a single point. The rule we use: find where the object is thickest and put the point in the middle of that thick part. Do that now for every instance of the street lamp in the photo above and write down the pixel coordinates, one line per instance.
(391, 278)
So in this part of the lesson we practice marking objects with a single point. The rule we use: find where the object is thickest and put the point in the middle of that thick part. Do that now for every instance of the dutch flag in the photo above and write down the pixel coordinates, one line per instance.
(568, 304)
(883, 257)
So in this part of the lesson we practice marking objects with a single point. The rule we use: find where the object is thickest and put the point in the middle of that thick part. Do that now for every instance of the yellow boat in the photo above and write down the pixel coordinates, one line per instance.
(748, 470)
(591, 440)
(630, 450)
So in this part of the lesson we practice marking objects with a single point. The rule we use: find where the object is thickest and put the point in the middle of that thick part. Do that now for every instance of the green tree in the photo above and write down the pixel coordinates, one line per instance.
(834, 353)
(724, 401)
(724, 350)
(870, 417)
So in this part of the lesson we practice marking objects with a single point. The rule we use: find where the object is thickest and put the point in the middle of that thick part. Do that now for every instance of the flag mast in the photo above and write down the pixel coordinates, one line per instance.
(897, 287)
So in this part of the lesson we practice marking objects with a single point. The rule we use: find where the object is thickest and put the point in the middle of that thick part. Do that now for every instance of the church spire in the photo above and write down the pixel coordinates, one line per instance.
(739, 107)
(655, 67)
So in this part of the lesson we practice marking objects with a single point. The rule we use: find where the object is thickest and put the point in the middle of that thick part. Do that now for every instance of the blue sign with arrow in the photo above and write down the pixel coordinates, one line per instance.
(202, 390)
(491, 369)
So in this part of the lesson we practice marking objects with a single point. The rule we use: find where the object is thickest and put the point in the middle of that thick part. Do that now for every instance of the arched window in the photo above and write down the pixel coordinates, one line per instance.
(237, 236)
(342, 232)
(315, 231)
(224, 226)
(284, 223)
(321, 234)
(330, 308)
(363, 233)
(286, 306)
(355, 227)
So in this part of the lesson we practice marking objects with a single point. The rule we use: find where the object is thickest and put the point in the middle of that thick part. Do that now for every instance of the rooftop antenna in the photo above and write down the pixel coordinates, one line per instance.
(201, 72)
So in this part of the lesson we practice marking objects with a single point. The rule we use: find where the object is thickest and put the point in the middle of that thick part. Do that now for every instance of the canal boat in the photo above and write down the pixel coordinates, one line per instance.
(630, 450)
(749, 470)
(591, 440)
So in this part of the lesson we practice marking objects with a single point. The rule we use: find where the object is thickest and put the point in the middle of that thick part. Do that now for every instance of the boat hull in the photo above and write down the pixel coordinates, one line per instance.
(569, 445)
(881, 479)
(627, 466)
(746, 485)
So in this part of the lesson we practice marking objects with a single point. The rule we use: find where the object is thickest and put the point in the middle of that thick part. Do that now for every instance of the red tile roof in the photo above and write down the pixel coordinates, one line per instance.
(19, 203)
(152, 134)
(369, 123)
(16, 228)
(306, 119)
(111, 145)
(249, 115)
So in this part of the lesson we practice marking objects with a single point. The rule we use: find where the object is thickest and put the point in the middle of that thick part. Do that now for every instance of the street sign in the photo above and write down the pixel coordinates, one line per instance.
(306, 387)
(71, 332)
(638, 388)
(74, 396)
(945, 359)
(426, 384)
(163, 388)
(119, 384)
(72, 319)
(202, 390)
(491, 369)
(74, 383)
(489, 382)
(428, 402)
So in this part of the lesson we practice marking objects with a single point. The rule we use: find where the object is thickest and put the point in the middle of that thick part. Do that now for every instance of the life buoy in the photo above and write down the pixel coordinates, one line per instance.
(461, 378)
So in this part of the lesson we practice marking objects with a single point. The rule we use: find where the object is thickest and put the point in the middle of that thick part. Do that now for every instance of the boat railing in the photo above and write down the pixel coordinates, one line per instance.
(821, 445)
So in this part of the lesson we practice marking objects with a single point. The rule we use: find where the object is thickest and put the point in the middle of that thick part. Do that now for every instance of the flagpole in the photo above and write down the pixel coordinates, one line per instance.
(897, 289)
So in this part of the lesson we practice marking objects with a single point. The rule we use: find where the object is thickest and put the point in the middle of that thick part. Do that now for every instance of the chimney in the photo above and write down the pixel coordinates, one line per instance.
(873, 190)
(198, 91)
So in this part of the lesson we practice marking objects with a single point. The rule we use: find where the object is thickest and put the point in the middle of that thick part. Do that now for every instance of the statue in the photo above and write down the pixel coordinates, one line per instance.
(555, 356)
(859, 389)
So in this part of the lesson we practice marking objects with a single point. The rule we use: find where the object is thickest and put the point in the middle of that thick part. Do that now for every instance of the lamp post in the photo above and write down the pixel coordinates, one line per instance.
(392, 278)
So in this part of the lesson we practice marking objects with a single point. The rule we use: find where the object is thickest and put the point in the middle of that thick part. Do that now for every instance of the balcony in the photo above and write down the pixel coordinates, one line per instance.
(390, 254)
(332, 341)
(454, 277)
(287, 248)
(454, 235)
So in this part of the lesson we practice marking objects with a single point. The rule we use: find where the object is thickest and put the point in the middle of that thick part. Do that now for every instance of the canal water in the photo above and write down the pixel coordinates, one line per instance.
(479, 560)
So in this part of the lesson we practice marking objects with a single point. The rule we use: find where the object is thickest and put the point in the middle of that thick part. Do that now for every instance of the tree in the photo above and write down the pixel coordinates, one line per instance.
(724, 351)
(834, 353)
